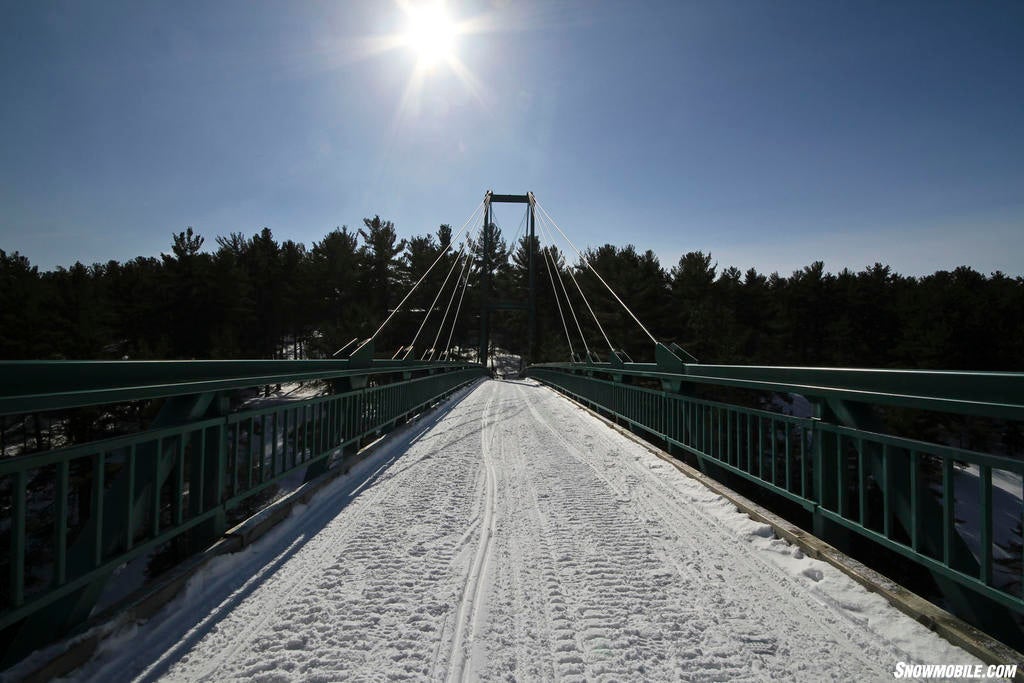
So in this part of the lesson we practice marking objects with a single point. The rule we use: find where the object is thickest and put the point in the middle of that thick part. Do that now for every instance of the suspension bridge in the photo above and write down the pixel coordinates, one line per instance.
(568, 524)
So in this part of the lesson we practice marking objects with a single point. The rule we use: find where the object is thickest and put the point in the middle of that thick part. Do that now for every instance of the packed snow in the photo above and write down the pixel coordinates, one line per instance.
(512, 535)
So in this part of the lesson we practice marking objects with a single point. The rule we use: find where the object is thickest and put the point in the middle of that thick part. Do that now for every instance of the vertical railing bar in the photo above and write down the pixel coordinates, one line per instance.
(179, 493)
(760, 447)
(313, 424)
(861, 484)
(723, 433)
(60, 527)
(298, 424)
(276, 435)
(98, 484)
(236, 457)
(155, 503)
(727, 434)
(718, 435)
(301, 417)
(713, 433)
(130, 511)
(318, 427)
(985, 482)
(886, 499)
(733, 418)
(285, 445)
(750, 443)
(222, 453)
(914, 539)
(703, 428)
(201, 484)
(18, 538)
(300, 454)
(300, 427)
(293, 426)
(818, 436)
(841, 475)
(250, 461)
(948, 510)
(700, 422)
(803, 462)
(340, 422)
(311, 440)
(688, 432)
(692, 441)
(273, 449)
(332, 425)
(787, 456)
(775, 457)
(694, 427)
(309, 448)
(237, 443)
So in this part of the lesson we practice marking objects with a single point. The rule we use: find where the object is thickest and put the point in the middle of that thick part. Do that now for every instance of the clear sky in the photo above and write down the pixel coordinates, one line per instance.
(770, 133)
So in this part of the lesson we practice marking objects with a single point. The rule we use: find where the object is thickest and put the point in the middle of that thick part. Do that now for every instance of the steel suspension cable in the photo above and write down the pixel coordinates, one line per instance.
(585, 301)
(455, 319)
(451, 300)
(558, 301)
(594, 271)
(422, 277)
(568, 301)
(437, 296)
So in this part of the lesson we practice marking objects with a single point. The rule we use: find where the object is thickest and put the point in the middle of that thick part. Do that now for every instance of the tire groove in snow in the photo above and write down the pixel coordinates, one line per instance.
(521, 539)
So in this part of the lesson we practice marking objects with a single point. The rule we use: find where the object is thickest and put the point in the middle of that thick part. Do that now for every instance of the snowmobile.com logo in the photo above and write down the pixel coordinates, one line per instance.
(904, 670)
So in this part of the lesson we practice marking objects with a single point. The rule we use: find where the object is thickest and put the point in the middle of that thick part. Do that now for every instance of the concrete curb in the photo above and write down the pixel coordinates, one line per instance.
(953, 629)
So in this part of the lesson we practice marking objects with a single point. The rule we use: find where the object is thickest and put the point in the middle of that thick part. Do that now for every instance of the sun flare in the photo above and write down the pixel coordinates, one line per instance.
(430, 33)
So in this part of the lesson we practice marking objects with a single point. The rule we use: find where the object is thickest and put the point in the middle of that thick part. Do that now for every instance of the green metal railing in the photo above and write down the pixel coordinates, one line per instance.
(75, 514)
(840, 465)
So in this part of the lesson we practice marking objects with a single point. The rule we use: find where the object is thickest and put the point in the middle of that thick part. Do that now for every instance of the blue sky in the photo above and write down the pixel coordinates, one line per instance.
(772, 133)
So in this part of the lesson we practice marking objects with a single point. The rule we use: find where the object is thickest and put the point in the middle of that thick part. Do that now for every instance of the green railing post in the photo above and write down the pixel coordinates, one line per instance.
(122, 514)
(826, 477)
(910, 518)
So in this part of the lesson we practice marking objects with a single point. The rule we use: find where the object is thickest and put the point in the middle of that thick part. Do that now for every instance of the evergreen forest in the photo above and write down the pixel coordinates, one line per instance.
(258, 297)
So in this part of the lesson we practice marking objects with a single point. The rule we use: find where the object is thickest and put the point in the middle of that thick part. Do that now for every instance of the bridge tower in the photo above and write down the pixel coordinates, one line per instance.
(487, 305)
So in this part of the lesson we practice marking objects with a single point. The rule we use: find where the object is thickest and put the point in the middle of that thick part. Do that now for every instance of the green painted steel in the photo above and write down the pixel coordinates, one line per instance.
(830, 469)
(30, 386)
(990, 394)
(165, 484)
(488, 305)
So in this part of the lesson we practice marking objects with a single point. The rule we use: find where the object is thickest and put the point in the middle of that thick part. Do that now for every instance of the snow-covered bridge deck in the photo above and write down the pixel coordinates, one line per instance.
(512, 535)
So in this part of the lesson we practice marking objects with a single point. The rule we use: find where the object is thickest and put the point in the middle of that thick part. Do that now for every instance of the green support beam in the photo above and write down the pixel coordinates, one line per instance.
(487, 306)
(989, 394)
(33, 386)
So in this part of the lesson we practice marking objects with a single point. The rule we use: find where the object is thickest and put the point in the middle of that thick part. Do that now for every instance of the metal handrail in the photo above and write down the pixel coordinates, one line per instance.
(30, 386)
(898, 492)
(990, 394)
(77, 513)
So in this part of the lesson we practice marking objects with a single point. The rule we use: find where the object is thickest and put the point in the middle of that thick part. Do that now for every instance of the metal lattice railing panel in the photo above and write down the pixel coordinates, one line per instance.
(929, 502)
(72, 515)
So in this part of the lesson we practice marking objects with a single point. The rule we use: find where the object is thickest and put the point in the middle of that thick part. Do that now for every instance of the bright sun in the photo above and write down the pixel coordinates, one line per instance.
(430, 33)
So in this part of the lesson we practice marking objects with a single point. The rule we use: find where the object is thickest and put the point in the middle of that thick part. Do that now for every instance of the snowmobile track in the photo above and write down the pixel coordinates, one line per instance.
(519, 538)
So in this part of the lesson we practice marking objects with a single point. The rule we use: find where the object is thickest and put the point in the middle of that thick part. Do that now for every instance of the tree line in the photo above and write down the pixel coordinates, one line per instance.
(258, 297)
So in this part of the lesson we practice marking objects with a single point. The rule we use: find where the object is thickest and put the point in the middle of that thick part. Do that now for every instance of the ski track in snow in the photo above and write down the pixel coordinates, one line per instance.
(519, 538)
